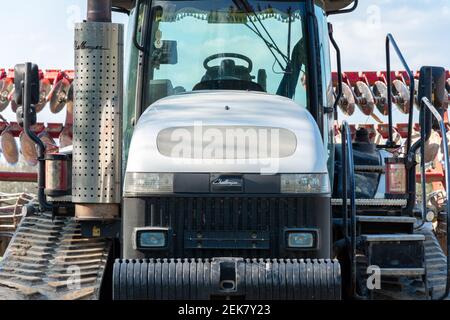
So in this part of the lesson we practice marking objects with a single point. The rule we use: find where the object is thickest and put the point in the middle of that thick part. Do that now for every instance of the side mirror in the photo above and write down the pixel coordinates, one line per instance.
(26, 81)
(19, 84)
(432, 84)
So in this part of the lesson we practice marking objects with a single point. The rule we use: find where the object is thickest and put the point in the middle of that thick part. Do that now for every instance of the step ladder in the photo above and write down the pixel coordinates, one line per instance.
(405, 257)
(396, 203)
(385, 224)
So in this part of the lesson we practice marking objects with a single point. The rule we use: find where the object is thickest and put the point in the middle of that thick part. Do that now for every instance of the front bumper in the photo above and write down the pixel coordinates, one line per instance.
(203, 279)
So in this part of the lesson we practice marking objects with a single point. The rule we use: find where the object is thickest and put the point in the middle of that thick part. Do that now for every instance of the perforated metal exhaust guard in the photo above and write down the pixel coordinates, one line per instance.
(98, 93)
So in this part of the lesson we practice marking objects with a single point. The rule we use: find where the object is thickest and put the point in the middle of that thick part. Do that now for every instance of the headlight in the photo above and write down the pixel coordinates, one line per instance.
(305, 183)
(148, 183)
(301, 239)
(151, 238)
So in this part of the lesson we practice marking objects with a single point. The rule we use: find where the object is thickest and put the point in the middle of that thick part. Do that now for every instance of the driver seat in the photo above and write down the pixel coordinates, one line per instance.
(228, 76)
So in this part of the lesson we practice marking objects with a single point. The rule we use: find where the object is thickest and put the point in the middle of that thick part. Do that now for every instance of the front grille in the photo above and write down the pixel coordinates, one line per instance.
(245, 217)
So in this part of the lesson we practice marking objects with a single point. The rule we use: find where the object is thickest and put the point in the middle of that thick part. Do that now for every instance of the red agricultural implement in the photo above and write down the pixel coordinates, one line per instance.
(365, 90)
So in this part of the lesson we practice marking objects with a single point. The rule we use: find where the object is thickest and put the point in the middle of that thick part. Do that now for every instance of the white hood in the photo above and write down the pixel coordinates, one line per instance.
(225, 109)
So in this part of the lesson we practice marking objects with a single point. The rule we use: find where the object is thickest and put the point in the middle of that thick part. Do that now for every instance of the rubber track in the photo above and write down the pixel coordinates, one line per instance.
(43, 257)
(436, 264)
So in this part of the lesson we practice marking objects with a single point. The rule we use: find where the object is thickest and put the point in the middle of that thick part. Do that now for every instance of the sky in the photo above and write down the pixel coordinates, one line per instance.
(420, 28)
(42, 32)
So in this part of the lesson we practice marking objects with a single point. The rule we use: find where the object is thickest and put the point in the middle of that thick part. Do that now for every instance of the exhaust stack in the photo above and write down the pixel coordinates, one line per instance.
(99, 11)
(97, 129)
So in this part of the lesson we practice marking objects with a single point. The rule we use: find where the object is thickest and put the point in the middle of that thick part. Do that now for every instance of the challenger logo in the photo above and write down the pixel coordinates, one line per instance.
(84, 46)
(227, 184)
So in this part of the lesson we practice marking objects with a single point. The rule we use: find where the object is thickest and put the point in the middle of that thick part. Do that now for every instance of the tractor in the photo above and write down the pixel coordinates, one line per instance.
(204, 164)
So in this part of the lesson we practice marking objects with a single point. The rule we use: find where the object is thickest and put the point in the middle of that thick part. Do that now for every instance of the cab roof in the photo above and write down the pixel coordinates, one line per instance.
(329, 5)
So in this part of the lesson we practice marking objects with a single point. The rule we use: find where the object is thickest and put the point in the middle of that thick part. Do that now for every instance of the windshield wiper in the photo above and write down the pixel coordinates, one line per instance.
(271, 45)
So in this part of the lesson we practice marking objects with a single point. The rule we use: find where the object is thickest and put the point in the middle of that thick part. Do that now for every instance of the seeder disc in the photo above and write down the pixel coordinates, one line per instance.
(6, 87)
(401, 91)
(366, 101)
(380, 91)
(432, 146)
(9, 146)
(44, 91)
(58, 96)
(28, 150)
(347, 103)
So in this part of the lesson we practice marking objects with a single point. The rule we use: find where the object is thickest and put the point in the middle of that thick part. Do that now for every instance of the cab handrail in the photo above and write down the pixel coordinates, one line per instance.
(348, 193)
(390, 42)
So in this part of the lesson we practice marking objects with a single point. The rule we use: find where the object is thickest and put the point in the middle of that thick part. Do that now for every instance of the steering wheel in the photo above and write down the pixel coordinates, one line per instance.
(228, 55)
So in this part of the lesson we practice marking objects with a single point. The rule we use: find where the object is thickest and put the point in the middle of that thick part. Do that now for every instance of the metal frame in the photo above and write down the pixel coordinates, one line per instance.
(7, 176)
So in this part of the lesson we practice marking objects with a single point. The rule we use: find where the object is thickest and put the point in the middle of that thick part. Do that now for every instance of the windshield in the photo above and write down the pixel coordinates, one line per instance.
(226, 45)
